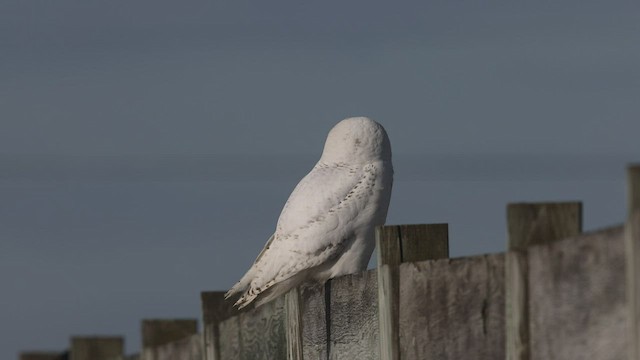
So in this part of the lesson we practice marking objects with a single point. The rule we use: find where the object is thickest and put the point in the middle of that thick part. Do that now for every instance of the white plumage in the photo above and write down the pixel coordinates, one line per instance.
(326, 228)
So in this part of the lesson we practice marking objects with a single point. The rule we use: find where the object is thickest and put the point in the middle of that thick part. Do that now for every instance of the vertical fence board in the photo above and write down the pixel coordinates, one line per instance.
(263, 332)
(96, 348)
(293, 312)
(189, 348)
(540, 223)
(452, 309)
(424, 242)
(389, 257)
(632, 246)
(516, 306)
(353, 321)
(314, 321)
(530, 224)
(577, 306)
(215, 309)
(43, 355)
(396, 244)
(230, 339)
(156, 332)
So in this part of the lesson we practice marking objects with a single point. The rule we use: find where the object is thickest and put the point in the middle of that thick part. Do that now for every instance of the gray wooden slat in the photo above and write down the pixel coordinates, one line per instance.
(632, 246)
(156, 332)
(424, 242)
(577, 304)
(293, 313)
(187, 348)
(214, 310)
(517, 325)
(539, 223)
(396, 244)
(452, 309)
(388, 246)
(96, 347)
(353, 320)
(531, 224)
(42, 355)
(314, 324)
(263, 332)
(230, 339)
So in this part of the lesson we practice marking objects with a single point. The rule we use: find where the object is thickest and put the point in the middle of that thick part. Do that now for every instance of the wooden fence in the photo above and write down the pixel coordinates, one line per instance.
(557, 293)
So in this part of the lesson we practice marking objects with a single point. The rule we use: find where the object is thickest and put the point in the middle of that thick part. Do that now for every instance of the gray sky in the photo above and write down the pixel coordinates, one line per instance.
(146, 148)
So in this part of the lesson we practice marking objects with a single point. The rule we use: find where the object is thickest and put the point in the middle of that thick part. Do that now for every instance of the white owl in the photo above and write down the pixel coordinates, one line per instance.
(326, 228)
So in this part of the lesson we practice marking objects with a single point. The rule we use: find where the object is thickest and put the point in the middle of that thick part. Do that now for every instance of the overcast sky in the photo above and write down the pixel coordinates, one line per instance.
(147, 147)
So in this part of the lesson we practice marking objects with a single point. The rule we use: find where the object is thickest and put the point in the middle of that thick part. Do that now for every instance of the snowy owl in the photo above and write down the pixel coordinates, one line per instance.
(326, 228)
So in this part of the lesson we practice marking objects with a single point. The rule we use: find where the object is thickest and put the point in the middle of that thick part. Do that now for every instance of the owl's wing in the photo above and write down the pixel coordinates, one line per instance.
(315, 226)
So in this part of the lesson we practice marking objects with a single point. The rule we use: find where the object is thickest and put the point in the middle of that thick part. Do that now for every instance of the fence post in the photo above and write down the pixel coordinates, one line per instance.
(293, 313)
(632, 251)
(214, 310)
(96, 348)
(530, 224)
(396, 244)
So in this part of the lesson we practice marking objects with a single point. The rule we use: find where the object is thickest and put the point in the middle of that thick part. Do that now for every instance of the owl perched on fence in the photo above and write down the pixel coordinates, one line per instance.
(326, 228)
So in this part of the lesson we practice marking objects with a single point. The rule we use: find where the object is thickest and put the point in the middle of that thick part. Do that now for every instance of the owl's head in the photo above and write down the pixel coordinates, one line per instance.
(357, 140)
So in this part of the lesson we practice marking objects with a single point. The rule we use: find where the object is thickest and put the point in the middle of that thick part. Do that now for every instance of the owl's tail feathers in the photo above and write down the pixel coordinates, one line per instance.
(270, 291)
(244, 283)
(240, 286)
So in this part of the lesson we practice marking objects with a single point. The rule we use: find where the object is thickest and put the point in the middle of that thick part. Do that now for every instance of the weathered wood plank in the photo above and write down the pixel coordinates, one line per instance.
(388, 308)
(96, 347)
(314, 320)
(187, 348)
(452, 309)
(263, 332)
(539, 223)
(388, 246)
(424, 242)
(43, 355)
(530, 224)
(293, 313)
(230, 339)
(156, 332)
(353, 320)
(396, 244)
(632, 246)
(122, 357)
(633, 188)
(214, 310)
(577, 304)
(517, 315)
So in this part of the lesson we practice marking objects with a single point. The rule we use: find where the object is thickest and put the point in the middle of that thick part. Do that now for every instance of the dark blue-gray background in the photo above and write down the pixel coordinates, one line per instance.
(147, 147)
